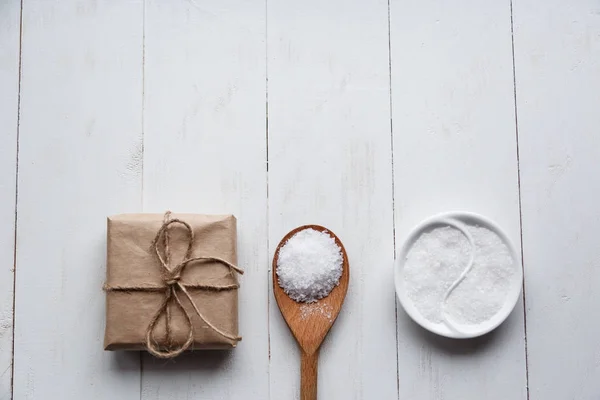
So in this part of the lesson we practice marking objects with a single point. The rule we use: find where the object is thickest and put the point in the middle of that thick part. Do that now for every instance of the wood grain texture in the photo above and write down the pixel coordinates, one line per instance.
(557, 60)
(205, 152)
(309, 368)
(309, 327)
(455, 150)
(79, 161)
(10, 15)
(330, 164)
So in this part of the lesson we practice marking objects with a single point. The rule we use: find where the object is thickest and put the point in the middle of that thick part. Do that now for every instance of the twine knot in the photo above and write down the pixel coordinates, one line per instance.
(172, 280)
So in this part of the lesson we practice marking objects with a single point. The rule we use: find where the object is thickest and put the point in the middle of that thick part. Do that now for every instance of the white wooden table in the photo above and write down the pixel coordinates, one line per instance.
(359, 115)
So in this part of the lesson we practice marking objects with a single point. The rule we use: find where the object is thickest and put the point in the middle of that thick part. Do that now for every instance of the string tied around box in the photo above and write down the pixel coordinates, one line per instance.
(172, 285)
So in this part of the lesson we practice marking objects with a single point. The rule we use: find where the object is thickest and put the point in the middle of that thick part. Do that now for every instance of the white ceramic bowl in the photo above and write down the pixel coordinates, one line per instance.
(469, 331)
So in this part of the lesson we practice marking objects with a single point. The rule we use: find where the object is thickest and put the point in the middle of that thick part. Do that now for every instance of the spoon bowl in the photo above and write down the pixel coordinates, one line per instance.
(310, 322)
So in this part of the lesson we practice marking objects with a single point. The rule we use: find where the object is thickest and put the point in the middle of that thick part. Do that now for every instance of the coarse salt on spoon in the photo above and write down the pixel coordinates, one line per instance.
(310, 322)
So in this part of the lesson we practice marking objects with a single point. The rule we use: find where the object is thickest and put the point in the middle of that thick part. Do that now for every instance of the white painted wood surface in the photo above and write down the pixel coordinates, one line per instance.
(144, 105)
(455, 150)
(557, 58)
(330, 164)
(205, 151)
(10, 16)
(79, 161)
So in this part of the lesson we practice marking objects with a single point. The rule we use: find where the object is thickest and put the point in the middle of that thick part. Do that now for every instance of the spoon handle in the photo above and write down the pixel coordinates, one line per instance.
(308, 381)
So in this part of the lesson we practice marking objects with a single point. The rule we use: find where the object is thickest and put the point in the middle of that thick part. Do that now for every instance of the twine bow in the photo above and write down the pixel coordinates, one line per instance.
(172, 284)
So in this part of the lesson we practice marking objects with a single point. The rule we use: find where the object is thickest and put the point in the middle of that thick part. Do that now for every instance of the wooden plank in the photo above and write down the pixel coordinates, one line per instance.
(330, 164)
(205, 152)
(79, 161)
(10, 16)
(557, 59)
(455, 150)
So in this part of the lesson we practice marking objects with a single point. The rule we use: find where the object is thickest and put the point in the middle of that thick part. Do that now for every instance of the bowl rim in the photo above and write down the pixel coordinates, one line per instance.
(441, 328)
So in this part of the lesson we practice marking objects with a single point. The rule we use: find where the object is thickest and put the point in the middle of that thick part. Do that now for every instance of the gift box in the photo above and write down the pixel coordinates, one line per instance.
(171, 283)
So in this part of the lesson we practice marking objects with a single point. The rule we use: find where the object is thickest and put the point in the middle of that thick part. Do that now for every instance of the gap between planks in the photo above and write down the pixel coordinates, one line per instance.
(512, 38)
(12, 365)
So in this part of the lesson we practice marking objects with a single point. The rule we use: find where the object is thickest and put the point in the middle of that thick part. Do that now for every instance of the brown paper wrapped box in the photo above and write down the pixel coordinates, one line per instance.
(132, 262)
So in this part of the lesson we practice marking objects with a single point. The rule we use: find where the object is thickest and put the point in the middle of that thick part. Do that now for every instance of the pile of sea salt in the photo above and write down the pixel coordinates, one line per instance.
(309, 265)
(437, 260)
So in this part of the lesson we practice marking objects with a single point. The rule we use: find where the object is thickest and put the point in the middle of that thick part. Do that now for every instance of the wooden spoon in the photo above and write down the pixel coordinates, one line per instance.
(310, 322)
